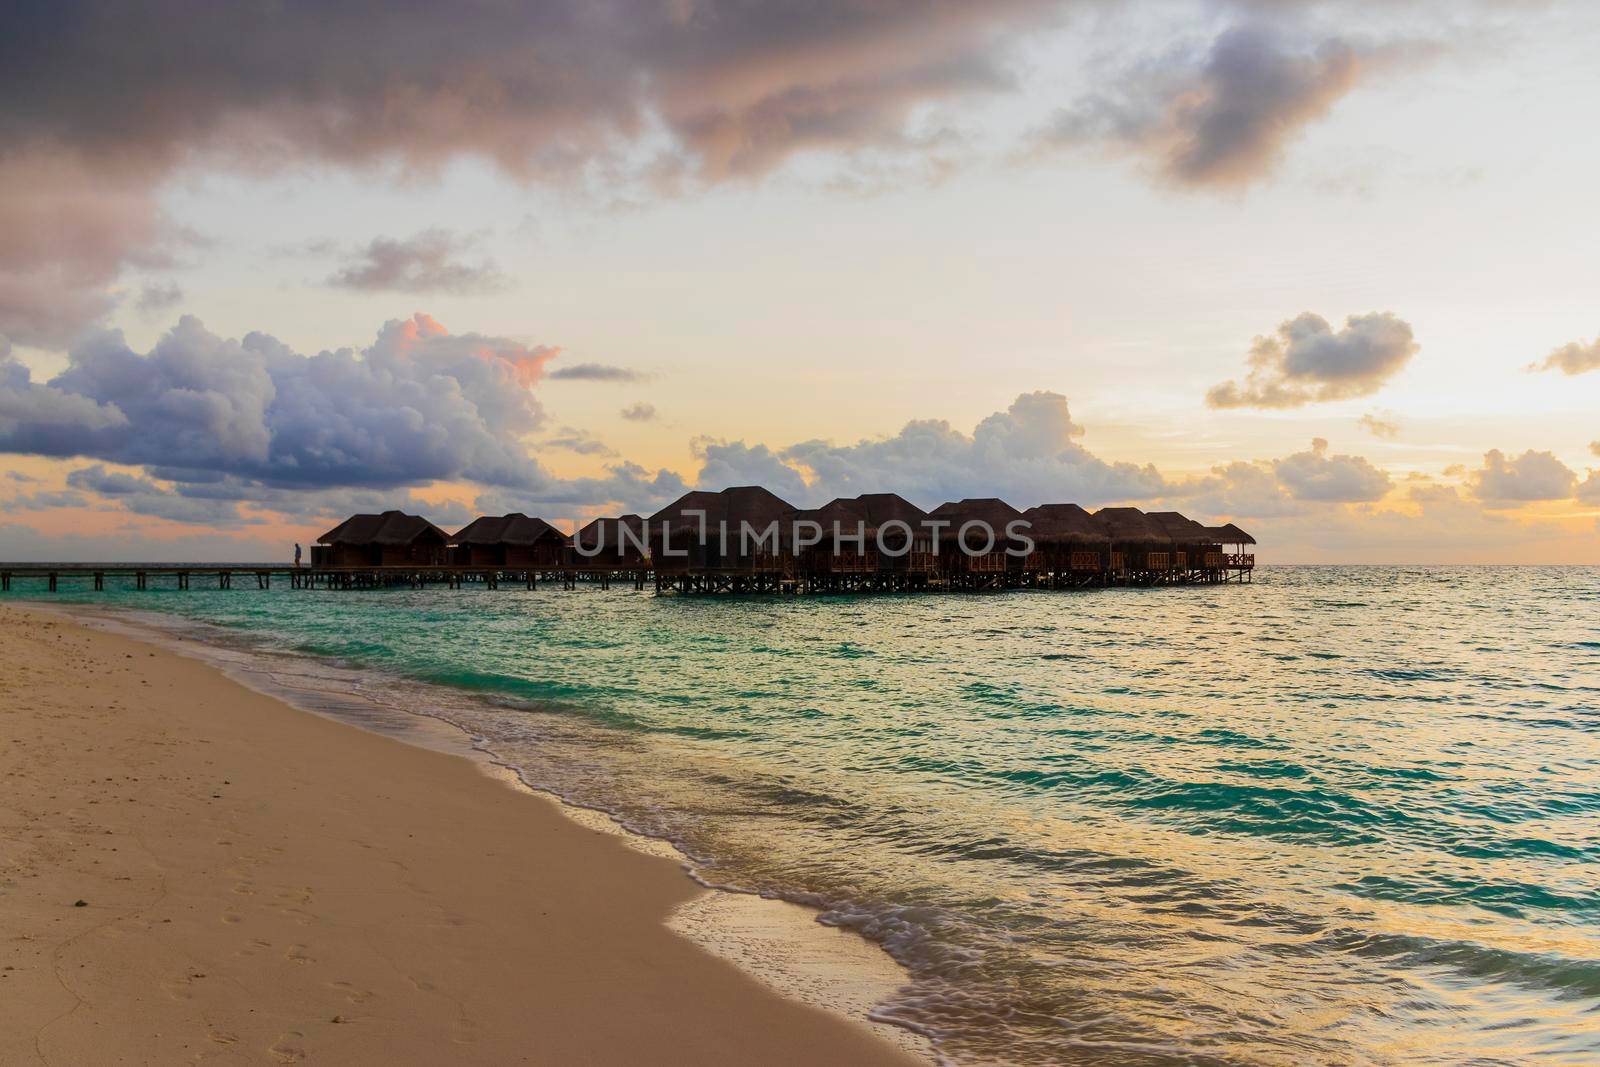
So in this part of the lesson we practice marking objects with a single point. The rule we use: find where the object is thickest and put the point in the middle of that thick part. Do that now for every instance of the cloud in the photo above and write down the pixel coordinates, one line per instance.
(572, 439)
(1315, 475)
(45, 499)
(595, 372)
(158, 296)
(418, 405)
(1573, 358)
(1530, 476)
(144, 497)
(1220, 115)
(1384, 426)
(1298, 484)
(1588, 491)
(424, 263)
(1307, 361)
(215, 423)
(1027, 454)
(21, 543)
(100, 104)
(1594, 446)
(640, 412)
(70, 227)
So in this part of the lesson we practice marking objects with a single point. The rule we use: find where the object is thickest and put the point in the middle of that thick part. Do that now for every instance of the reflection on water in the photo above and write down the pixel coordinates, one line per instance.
(1344, 814)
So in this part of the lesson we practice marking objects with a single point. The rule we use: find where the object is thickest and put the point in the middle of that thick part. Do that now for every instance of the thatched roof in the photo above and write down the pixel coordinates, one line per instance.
(607, 533)
(881, 508)
(993, 511)
(990, 509)
(1229, 534)
(1064, 524)
(389, 528)
(513, 529)
(741, 503)
(1181, 528)
(1130, 526)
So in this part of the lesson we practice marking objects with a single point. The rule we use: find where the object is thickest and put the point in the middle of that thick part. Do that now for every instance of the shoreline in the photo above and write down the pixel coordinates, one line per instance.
(591, 898)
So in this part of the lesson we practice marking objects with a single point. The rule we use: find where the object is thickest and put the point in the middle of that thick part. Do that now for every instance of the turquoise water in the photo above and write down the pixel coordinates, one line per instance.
(1341, 815)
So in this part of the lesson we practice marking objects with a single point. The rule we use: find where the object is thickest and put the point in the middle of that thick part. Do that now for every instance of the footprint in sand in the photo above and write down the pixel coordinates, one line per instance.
(297, 954)
(222, 1037)
(231, 917)
(352, 993)
(288, 1048)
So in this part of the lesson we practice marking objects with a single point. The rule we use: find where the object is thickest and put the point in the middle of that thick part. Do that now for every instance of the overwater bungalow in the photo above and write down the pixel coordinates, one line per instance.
(390, 539)
(1230, 536)
(1137, 545)
(976, 540)
(617, 543)
(737, 531)
(1192, 544)
(1068, 543)
(832, 539)
(898, 522)
(517, 541)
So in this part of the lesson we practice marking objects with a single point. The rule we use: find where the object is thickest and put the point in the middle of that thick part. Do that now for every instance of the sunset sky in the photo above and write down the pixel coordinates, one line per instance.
(1327, 270)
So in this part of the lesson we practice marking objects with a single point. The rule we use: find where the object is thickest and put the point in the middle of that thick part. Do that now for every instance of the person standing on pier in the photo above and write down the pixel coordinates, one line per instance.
(297, 555)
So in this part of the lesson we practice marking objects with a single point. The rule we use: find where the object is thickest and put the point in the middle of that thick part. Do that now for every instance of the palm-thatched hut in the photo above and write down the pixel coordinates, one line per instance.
(739, 530)
(1137, 544)
(514, 540)
(617, 543)
(1067, 540)
(832, 539)
(977, 537)
(1193, 546)
(390, 539)
(1229, 535)
(895, 523)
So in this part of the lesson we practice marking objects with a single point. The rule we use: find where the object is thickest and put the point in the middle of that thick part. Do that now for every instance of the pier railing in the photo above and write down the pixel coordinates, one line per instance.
(1073, 573)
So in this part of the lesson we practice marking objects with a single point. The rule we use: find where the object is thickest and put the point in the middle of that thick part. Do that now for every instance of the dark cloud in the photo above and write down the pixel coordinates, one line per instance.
(425, 263)
(1573, 358)
(100, 102)
(1528, 477)
(159, 296)
(216, 423)
(1306, 360)
(640, 412)
(144, 497)
(45, 499)
(418, 405)
(540, 87)
(1027, 454)
(595, 372)
(1222, 114)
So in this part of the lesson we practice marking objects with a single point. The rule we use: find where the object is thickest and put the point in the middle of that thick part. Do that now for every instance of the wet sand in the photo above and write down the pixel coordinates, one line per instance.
(261, 884)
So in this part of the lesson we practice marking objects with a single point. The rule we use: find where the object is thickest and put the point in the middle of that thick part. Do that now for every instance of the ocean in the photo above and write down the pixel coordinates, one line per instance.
(1339, 815)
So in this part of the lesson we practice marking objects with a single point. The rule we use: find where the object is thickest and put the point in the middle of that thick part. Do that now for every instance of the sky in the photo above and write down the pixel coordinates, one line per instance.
(1322, 269)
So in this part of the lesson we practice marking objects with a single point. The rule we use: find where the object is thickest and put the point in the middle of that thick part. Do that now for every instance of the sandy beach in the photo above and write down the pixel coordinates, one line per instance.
(192, 871)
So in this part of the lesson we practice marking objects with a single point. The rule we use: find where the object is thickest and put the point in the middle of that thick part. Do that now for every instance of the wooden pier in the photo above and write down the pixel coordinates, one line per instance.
(777, 580)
